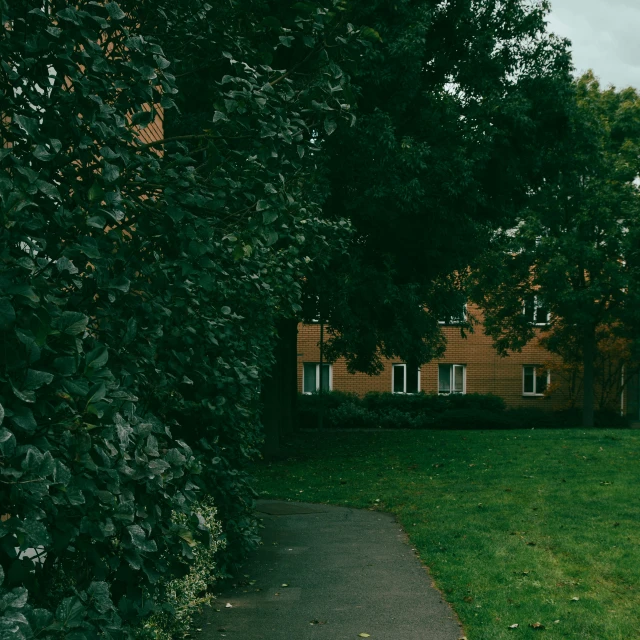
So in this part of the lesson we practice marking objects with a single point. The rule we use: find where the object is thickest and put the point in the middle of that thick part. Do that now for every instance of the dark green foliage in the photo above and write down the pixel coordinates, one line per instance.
(430, 411)
(140, 286)
(458, 106)
(575, 245)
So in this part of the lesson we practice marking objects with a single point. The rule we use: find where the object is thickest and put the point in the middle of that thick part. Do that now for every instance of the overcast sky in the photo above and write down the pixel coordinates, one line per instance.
(605, 36)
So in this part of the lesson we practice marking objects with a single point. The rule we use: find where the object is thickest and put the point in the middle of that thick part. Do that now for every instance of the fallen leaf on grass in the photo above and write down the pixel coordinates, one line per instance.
(363, 635)
(285, 585)
(513, 626)
(575, 599)
(228, 605)
(537, 625)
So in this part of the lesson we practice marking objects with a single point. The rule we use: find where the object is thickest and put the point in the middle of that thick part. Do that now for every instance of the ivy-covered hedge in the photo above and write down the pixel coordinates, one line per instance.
(140, 286)
(430, 411)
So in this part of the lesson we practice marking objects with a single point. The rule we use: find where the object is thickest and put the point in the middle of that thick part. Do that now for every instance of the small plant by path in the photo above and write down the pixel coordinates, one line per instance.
(527, 533)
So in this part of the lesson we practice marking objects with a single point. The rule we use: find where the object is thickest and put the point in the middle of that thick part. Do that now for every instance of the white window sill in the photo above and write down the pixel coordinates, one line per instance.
(533, 395)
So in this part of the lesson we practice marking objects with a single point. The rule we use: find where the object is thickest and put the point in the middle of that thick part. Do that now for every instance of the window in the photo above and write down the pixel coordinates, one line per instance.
(405, 379)
(457, 318)
(452, 378)
(535, 380)
(311, 377)
(535, 311)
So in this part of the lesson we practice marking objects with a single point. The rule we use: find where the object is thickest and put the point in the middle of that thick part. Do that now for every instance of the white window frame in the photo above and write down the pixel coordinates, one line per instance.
(452, 377)
(536, 306)
(453, 321)
(404, 379)
(535, 381)
(318, 381)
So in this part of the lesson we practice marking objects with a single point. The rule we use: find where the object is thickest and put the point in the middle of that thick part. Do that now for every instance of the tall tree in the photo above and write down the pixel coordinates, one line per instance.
(572, 249)
(458, 104)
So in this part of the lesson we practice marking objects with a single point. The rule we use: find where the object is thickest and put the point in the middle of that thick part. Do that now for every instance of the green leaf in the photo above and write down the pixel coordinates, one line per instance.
(95, 193)
(72, 323)
(25, 291)
(25, 396)
(65, 365)
(121, 284)
(370, 34)
(97, 393)
(48, 189)
(330, 126)
(110, 172)
(100, 596)
(89, 247)
(97, 221)
(139, 539)
(36, 379)
(29, 125)
(41, 153)
(114, 11)
(7, 314)
(23, 419)
(64, 264)
(97, 358)
(271, 237)
(70, 613)
(61, 473)
(269, 216)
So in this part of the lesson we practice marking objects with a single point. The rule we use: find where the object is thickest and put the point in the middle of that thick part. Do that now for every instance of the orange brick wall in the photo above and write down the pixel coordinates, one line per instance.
(486, 371)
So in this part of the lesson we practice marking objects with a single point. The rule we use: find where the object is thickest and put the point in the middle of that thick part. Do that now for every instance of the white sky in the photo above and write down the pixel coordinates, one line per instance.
(605, 36)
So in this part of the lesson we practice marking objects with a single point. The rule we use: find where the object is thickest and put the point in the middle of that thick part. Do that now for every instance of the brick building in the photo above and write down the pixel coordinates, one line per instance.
(469, 365)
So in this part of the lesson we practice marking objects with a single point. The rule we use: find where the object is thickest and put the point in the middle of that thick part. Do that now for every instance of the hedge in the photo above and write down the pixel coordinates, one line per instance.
(429, 411)
(140, 287)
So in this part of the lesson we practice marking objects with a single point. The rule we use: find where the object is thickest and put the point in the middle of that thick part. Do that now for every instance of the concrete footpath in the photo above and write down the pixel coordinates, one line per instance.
(330, 573)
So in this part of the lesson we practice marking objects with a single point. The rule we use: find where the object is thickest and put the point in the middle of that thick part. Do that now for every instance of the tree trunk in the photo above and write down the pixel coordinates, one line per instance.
(279, 390)
(270, 400)
(288, 357)
(589, 356)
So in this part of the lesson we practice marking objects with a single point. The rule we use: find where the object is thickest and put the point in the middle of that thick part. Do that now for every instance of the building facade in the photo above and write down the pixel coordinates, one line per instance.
(469, 365)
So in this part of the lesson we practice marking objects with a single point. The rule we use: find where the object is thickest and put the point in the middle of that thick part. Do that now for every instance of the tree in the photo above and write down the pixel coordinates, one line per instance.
(458, 105)
(572, 249)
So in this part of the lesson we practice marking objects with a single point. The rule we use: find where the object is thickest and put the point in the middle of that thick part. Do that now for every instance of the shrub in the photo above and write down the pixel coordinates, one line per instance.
(429, 411)
(185, 596)
(137, 310)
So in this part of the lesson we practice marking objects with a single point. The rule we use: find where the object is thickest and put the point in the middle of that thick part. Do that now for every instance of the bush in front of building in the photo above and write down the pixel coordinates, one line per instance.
(429, 411)
(394, 411)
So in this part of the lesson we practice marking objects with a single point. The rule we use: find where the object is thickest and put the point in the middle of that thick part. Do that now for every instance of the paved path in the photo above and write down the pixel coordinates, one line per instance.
(347, 572)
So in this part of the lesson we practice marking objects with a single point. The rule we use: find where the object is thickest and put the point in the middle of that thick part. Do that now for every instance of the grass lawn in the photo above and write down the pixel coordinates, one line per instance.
(516, 527)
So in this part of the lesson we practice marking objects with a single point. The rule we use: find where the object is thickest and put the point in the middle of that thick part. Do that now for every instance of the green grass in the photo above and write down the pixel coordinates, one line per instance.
(513, 525)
